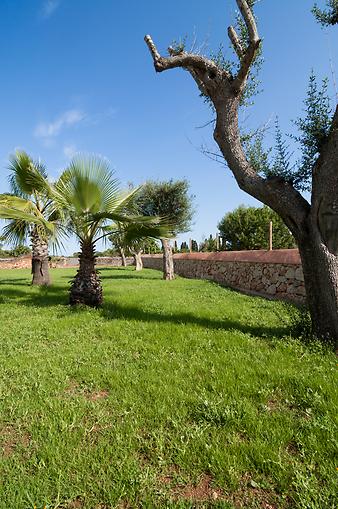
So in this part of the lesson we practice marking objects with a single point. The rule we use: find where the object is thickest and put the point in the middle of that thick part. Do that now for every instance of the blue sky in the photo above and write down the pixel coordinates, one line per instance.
(77, 76)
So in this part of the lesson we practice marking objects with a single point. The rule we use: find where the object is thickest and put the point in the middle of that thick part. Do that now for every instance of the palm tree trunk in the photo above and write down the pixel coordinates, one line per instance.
(40, 260)
(86, 286)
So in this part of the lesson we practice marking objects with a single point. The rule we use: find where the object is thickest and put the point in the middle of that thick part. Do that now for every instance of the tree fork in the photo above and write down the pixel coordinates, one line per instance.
(314, 226)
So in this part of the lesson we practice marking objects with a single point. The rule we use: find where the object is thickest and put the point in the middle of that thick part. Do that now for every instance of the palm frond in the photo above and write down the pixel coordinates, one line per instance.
(16, 208)
(16, 232)
(27, 177)
(137, 231)
(88, 197)
(87, 186)
(10, 201)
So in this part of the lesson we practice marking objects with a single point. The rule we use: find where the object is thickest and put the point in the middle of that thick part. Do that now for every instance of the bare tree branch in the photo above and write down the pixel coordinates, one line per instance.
(152, 48)
(249, 20)
(314, 225)
(206, 72)
(235, 42)
(206, 124)
(246, 56)
(247, 60)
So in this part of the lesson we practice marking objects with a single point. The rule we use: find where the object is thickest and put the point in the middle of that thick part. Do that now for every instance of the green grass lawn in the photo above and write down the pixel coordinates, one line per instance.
(175, 394)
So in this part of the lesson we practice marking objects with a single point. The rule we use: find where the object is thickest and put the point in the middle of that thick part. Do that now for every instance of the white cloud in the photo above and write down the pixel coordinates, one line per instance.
(47, 130)
(49, 7)
(70, 151)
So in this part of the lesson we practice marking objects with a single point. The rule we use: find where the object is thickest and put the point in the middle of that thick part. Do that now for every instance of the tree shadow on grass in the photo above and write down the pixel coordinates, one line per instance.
(119, 274)
(16, 281)
(58, 296)
(114, 311)
(23, 293)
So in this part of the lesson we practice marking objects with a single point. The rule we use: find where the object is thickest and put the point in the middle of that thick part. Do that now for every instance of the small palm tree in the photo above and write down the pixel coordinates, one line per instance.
(92, 206)
(30, 213)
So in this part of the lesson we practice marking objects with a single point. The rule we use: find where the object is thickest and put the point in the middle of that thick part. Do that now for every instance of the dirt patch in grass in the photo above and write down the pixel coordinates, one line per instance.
(72, 388)
(75, 389)
(292, 448)
(200, 492)
(123, 504)
(241, 437)
(251, 495)
(276, 404)
(248, 495)
(10, 438)
(170, 476)
(96, 395)
(143, 459)
(77, 503)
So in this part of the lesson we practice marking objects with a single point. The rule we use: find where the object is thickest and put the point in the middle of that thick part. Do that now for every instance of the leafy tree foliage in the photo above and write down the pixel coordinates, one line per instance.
(329, 16)
(194, 245)
(184, 247)
(313, 131)
(171, 200)
(248, 228)
(209, 244)
(19, 250)
(146, 245)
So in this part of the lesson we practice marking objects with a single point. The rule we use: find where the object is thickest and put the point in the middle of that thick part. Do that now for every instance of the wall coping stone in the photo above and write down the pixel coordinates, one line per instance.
(283, 256)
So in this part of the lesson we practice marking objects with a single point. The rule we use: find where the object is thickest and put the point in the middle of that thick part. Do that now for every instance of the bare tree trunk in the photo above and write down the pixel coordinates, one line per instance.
(40, 260)
(315, 224)
(138, 260)
(320, 269)
(168, 261)
(86, 286)
(123, 257)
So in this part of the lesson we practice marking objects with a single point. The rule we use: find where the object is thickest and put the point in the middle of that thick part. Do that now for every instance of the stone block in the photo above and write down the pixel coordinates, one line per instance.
(271, 290)
(281, 288)
(290, 274)
(299, 274)
(301, 291)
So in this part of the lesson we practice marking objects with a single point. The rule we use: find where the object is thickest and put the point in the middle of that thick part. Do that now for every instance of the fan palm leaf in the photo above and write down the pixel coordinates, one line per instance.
(92, 204)
(29, 212)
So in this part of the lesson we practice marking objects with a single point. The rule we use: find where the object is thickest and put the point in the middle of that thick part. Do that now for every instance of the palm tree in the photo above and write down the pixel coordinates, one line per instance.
(30, 213)
(93, 207)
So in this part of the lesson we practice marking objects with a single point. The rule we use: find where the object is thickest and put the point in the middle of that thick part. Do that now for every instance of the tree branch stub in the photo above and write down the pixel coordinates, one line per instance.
(249, 20)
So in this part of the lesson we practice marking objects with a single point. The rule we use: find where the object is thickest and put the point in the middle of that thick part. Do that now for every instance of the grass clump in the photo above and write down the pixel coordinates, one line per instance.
(180, 394)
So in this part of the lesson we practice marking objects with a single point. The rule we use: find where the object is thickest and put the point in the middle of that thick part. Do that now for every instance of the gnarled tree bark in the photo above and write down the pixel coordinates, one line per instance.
(314, 225)
(137, 255)
(40, 260)
(123, 257)
(86, 286)
(168, 261)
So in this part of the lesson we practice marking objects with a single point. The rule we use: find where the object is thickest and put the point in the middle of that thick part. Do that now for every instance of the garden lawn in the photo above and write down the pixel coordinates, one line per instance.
(175, 394)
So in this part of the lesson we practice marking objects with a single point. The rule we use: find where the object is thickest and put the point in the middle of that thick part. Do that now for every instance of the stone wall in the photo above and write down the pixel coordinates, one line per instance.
(21, 262)
(276, 274)
(24, 262)
(107, 261)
